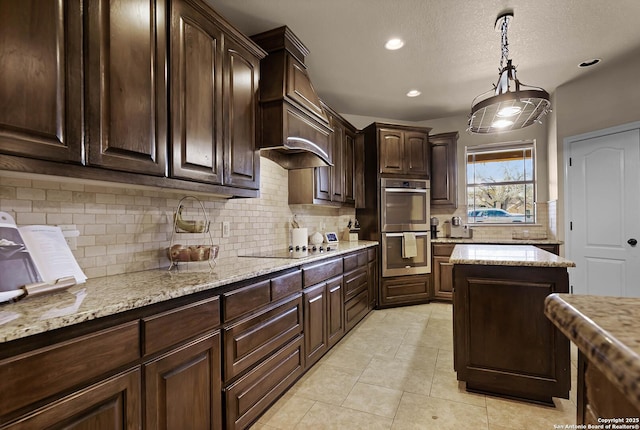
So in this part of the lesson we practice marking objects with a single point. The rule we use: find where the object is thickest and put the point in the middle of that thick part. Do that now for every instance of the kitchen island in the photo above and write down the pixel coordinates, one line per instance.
(503, 343)
(607, 334)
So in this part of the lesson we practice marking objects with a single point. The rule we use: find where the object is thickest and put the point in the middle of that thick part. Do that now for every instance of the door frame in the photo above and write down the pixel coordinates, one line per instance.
(566, 142)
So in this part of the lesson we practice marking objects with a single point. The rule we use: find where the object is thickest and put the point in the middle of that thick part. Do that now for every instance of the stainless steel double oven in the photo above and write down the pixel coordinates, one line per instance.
(405, 226)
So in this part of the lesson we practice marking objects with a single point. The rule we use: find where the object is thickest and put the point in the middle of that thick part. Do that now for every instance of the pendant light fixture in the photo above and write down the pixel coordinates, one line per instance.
(508, 108)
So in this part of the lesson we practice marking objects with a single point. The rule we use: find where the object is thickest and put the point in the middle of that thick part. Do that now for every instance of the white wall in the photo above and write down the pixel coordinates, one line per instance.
(606, 96)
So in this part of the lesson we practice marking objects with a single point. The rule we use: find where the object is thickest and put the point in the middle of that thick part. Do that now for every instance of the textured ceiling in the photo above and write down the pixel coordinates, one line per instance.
(451, 52)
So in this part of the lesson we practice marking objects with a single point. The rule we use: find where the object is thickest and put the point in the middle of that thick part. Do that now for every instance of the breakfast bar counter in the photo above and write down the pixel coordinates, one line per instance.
(503, 343)
(607, 334)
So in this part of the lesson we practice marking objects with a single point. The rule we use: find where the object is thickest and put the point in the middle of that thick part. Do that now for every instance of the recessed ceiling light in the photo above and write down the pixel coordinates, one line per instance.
(413, 93)
(393, 44)
(589, 63)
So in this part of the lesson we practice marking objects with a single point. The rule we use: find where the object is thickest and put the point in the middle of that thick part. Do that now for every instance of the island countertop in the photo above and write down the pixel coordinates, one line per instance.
(606, 331)
(506, 255)
(110, 295)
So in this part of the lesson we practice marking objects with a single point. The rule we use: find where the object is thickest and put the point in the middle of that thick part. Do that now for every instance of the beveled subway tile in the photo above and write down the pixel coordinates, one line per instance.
(373, 399)
(325, 416)
(523, 415)
(423, 412)
(445, 386)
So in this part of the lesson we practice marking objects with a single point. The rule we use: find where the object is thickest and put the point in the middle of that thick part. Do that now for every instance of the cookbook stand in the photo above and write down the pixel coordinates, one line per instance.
(180, 253)
(37, 289)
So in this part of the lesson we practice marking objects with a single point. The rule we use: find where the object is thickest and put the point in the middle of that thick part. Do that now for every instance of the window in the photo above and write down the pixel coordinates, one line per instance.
(501, 183)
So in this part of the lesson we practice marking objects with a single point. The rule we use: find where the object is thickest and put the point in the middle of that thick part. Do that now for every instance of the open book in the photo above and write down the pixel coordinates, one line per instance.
(34, 259)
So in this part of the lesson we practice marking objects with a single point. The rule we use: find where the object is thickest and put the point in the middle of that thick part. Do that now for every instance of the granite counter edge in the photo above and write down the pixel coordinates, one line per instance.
(616, 361)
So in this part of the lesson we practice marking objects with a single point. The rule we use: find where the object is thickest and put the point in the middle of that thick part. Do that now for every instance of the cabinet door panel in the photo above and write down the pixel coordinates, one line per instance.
(242, 160)
(391, 151)
(196, 90)
(315, 323)
(444, 170)
(183, 387)
(349, 168)
(108, 405)
(126, 87)
(337, 175)
(41, 85)
(335, 310)
(416, 153)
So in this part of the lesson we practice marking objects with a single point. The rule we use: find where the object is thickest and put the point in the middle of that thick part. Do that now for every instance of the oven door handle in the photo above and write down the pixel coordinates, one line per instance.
(406, 190)
(401, 234)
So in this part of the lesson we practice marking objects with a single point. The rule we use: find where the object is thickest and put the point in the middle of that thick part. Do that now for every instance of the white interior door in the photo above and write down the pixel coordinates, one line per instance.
(603, 213)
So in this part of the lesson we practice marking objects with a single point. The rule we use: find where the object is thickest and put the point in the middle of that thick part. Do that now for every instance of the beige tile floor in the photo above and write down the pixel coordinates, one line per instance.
(395, 371)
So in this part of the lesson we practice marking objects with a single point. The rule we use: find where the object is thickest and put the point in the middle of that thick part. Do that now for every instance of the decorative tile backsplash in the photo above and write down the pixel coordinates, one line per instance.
(125, 230)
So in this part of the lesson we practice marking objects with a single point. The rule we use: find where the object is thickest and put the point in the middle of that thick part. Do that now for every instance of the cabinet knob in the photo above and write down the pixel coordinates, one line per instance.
(632, 242)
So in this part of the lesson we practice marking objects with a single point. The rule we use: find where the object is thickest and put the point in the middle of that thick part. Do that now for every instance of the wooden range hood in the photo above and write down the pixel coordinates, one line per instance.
(294, 130)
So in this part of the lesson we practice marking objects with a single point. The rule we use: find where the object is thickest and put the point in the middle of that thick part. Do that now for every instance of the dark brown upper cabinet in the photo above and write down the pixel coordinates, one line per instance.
(403, 151)
(126, 87)
(196, 95)
(86, 85)
(214, 84)
(240, 90)
(41, 84)
(444, 170)
(399, 150)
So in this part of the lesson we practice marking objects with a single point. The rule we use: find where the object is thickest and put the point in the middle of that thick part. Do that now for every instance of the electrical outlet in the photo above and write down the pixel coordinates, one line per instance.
(226, 229)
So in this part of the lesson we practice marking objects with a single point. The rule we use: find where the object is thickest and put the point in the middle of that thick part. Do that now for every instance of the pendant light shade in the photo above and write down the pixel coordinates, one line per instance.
(511, 105)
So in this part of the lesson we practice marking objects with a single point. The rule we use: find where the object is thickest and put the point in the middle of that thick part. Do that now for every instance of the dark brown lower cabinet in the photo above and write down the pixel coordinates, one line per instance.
(599, 399)
(251, 395)
(316, 336)
(404, 290)
(323, 318)
(503, 343)
(442, 271)
(335, 310)
(114, 403)
(183, 388)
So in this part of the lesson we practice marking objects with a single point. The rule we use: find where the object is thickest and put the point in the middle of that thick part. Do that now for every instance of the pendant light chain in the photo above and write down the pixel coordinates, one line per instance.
(505, 42)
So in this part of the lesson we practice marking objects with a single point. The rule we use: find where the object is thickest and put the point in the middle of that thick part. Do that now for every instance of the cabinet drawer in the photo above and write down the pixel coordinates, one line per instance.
(246, 299)
(44, 372)
(285, 285)
(443, 249)
(174, 326)
(253, 393)
(251, 340)
(322, 271)
(106, 404)
(355, 309)
(355, 282)
(355, 260)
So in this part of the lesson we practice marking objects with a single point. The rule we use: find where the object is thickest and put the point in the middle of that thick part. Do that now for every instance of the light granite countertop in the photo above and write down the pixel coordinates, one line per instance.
(607, 331)
(110, 295)
(506, 255)
(498, 241)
